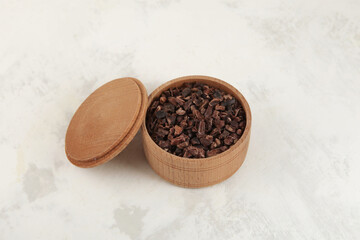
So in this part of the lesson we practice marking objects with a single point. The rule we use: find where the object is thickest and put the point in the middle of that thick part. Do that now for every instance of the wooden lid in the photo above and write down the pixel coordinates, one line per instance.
(106, 122)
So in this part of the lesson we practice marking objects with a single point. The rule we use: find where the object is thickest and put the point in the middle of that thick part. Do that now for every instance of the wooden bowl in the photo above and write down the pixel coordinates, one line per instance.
(197, 172)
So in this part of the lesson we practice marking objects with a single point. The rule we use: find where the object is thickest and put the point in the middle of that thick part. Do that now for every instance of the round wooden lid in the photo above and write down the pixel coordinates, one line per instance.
(106, 122)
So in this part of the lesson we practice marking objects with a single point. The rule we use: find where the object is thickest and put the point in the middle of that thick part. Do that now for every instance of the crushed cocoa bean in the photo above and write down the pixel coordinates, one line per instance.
(195, 120)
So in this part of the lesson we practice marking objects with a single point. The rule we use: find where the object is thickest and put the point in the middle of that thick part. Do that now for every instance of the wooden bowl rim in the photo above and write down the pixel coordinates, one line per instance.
(194, 78)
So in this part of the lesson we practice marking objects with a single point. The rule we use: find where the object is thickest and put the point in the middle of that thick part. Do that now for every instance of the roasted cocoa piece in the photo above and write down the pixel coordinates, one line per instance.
(195, 120)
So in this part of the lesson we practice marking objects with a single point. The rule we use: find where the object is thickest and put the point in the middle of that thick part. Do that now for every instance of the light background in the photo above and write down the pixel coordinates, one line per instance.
(296, 62)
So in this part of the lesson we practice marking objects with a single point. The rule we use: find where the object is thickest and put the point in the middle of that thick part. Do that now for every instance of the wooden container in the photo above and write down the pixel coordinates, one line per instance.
(110, 117)
(202, 172)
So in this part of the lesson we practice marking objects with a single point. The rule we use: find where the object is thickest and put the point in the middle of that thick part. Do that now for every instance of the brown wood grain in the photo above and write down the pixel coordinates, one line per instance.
(106, 122)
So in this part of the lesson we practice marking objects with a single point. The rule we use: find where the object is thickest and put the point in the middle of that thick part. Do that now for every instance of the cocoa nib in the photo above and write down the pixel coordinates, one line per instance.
(207, 140)
(220, 107)
(196, 112)
(178, 130)
(178, 140)
(228, 140)
(217, 94)
(186, 92)
(173, 101)
(171, 119)
(162, 99)
(213, 152)
(230, 128)
(201, 129)
(208, 112)
(180, 112)
(239, 131)
(162, 132)
(164, 144)
(219, 123)
(195, 141)
(187, 104)
(195, 120)
(160, 114)
(183, 145)
(214, 102)
(168, 107)
(196, 152)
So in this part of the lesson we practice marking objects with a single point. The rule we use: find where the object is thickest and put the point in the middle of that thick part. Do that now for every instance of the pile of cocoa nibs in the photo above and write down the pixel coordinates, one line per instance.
(195, 120)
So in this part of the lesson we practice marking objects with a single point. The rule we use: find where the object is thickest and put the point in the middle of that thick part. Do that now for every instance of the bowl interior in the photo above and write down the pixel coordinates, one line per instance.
(214, 82)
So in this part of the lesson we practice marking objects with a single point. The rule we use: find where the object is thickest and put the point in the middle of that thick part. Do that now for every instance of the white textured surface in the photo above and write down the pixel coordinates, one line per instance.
(297, 63)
